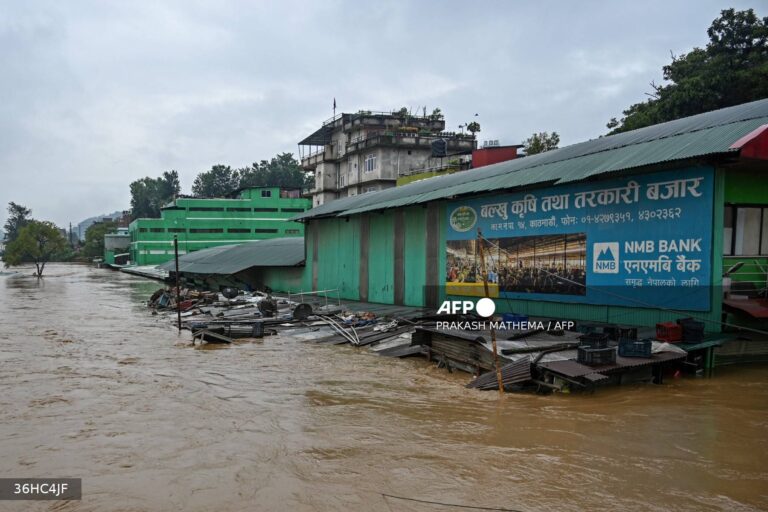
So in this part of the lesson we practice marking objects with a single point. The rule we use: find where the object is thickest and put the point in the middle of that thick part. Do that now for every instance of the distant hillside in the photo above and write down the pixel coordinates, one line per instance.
(84, 225)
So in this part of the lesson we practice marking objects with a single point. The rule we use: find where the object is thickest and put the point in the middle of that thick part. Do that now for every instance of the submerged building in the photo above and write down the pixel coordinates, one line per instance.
(634, 228)
(253, 213)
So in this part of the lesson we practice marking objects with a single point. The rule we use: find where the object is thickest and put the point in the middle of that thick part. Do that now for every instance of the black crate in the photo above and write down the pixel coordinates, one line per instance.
(617, 332)
(635, 348)
(693, 331)
(594, 340)
(596, 356)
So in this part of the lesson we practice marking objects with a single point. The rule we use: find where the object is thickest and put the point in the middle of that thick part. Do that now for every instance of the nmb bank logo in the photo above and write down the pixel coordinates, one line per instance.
(605, 257)
(485, 307)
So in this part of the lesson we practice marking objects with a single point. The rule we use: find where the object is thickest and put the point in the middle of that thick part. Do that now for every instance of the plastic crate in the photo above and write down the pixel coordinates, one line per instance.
(588, 328)
(594, 340)
(635, 348)
(596, 356)
(669, 332)
(693, 331)
(617, 332)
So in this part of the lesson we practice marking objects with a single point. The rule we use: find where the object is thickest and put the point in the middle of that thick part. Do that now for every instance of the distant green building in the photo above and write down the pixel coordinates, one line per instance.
(253, 214)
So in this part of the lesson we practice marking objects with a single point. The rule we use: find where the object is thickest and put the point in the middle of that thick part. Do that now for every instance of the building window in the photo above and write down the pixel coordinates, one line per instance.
(369, 189)
(142, 230)
(177, 230)
(370, 163)
(266, 193)
(238, 209)
(291, 209)
(343, 180)
(157, 230)
(207, 230)
(292, 231)
(264, 230)
(265, 209)
(205, 209)
(238, 230)
(745, 230)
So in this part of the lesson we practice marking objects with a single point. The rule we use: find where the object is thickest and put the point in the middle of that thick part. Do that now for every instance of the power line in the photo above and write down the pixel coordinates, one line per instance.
(448, 504)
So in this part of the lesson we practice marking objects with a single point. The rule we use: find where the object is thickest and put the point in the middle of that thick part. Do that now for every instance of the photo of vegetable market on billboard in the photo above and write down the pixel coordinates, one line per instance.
(530, 264)
(634, 241)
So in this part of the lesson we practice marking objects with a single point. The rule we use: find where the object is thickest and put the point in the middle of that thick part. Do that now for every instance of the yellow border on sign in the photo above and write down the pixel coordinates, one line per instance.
(471, 289)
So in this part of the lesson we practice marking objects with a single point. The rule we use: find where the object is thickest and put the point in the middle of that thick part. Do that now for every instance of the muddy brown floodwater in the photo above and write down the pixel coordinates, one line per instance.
(95, 387)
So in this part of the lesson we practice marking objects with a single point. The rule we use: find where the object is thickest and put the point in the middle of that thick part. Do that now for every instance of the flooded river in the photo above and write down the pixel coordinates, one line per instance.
(95, 387)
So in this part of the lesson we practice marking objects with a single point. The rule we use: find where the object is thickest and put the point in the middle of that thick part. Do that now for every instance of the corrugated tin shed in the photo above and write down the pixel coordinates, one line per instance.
(705, 135)
(231, 259)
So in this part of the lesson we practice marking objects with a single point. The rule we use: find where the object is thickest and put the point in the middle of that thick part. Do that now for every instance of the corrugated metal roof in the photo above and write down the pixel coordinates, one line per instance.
(703, 135)
(231, 259)
(572, 368)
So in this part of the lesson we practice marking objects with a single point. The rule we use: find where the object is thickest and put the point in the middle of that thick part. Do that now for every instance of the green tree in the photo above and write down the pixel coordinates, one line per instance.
(18, 217)
(94, 238)
(473, 127)
(732, 69)
(218, 182)
(38, 242)
(282, 170)
(541, 142)
(148, 195)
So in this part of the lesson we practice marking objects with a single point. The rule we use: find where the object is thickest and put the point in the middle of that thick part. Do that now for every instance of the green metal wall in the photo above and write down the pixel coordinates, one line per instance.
(381, 258)
(746, 186)
(338, 266)
(415, 255)
(338, 257)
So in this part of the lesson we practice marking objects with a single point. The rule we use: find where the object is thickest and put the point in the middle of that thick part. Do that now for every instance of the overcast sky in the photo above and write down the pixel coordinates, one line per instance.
(94, 95)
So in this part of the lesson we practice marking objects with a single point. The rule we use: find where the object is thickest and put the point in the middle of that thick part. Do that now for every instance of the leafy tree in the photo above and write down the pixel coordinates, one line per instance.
(732, 69)
(541, 142)
(148, 195)
(18, 217)
(37, 242)
(218, 182)
(473, 127)
(94, 238)
(282, 170)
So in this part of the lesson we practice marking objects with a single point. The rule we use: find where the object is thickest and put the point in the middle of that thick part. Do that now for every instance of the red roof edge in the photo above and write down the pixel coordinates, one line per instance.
(754, 144)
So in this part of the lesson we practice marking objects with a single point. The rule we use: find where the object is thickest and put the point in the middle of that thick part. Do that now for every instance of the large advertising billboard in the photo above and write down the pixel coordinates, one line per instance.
(643, 241)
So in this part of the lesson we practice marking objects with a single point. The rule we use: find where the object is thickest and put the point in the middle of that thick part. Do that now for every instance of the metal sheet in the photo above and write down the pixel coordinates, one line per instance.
(399, 257)
(230, 259)
(315, 245)
(365, 235)
(707, 134)
(432, 292)
(571, 368)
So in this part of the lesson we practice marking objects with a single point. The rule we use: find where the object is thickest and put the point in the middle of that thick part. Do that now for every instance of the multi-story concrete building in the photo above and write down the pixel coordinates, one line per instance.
(253, 214)
(368, 151)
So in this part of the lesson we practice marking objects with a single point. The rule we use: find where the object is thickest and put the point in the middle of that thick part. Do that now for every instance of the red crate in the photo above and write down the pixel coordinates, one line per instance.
(669, 332)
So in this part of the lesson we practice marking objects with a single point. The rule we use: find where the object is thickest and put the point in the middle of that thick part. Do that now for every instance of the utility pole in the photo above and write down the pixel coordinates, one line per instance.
(178, 290)
(488, 295)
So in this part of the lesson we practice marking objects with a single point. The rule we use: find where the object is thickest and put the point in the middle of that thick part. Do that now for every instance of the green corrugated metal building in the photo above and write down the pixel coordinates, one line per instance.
(704, 177)
(252, 214)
